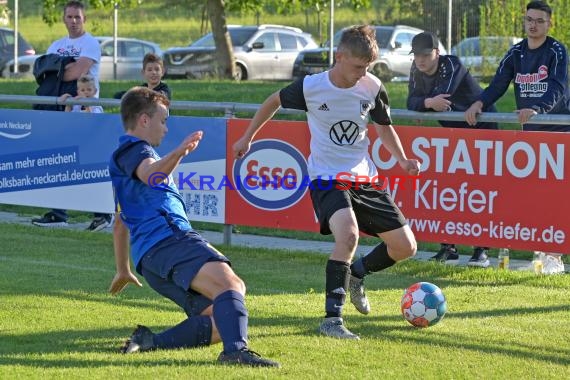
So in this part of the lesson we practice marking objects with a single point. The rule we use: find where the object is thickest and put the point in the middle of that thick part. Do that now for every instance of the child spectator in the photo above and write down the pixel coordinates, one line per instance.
(86, 88)
(152, 71)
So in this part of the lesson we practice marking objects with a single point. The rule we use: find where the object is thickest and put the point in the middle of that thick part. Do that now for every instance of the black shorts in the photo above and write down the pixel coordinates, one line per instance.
(374, 208)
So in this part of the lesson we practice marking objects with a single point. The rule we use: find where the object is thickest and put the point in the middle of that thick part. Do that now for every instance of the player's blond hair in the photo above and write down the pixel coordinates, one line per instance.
(360, 42)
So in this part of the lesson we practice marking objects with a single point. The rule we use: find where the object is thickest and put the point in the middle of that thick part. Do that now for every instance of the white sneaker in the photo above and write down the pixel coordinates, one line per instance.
(357, 295)
(334, 327)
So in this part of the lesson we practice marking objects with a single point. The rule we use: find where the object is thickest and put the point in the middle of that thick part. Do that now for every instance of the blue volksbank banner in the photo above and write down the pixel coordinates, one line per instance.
(61, 159)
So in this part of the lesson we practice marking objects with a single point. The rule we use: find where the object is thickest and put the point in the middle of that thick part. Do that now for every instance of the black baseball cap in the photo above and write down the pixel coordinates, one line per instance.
(424, 43)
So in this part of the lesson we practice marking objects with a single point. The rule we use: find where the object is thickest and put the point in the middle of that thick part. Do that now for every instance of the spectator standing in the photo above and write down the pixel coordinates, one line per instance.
(538, 66)
(87, 53)
(441, 83)
(152, 72)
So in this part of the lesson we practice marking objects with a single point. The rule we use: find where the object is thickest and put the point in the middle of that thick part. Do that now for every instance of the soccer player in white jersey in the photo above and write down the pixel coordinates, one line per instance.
(339, 104)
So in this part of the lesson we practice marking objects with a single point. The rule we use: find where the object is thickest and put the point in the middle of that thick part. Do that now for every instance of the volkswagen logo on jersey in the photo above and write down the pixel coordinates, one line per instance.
(344, 132)
(272, 176)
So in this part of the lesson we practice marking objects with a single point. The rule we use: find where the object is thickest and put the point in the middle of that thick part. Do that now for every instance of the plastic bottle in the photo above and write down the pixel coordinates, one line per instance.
(504, 258)
(538, 262)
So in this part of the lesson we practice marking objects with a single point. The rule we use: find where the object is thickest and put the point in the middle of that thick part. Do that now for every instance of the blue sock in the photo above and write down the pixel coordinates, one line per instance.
(231, 320)
(192, 332)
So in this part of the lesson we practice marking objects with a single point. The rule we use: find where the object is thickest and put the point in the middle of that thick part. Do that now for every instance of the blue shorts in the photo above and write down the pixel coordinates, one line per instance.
(170, 266)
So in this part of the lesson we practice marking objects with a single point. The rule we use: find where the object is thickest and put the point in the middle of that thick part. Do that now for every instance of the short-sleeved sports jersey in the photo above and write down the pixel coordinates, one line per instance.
(540, 79)
(338, 121)
(150, 213)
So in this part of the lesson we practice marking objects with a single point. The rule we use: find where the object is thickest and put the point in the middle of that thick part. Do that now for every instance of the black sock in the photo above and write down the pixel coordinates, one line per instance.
(337, 276)
(375, 261)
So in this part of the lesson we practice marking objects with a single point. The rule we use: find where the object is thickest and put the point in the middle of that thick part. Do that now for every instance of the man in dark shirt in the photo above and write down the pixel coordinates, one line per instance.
(441, 83)
(538, 66)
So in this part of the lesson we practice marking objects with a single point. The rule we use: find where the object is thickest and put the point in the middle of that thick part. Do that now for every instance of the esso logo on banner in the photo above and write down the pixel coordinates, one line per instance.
(270, 176)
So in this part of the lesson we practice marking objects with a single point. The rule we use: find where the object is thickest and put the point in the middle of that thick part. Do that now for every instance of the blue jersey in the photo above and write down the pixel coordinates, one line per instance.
(150, 213)
(540, 78)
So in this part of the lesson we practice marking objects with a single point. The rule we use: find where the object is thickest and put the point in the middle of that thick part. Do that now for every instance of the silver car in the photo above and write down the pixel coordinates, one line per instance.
(261, 52)
(130, 53)
(481, 55)
(7, 40)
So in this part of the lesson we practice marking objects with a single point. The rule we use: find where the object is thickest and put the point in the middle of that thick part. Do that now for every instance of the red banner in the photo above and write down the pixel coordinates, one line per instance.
(477, 187)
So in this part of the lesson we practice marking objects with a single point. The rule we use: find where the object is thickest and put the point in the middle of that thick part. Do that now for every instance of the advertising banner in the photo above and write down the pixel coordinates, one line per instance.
(477, 187)
(263, 194)
(61, 160)
(483, 187)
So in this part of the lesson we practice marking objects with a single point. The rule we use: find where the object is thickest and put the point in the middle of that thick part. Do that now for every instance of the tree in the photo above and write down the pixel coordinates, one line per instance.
(216, 11)
(224, 50)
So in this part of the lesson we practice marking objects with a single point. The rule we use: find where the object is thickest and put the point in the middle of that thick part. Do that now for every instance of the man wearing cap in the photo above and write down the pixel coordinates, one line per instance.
(441, 83)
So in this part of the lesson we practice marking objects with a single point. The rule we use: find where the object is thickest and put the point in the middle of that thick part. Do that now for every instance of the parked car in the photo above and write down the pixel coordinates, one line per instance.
(394, 60)
(481, 55)
(261, 52)
(7, 46)
(129, 59)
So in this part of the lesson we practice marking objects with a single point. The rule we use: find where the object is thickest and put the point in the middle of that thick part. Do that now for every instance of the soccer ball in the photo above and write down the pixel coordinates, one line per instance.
(423, 304)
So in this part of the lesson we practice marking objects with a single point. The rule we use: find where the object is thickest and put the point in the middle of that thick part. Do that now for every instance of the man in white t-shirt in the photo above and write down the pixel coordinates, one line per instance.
(87, 53)
(78, 44)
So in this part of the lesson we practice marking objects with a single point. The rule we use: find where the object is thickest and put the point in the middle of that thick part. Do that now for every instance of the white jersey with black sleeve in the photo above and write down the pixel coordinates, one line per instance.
(338, 122)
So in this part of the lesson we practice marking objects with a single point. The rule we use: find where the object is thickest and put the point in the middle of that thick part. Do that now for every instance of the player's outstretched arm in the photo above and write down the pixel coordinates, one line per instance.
(124, 276)
(262, 116)
(166, 165)
(392, 142)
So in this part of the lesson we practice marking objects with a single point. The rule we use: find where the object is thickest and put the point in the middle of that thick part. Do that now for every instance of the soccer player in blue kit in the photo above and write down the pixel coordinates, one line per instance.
(339, 103)
(173, 258)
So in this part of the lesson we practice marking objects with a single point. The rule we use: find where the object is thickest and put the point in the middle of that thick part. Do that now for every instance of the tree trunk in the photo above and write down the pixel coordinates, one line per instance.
(226, 67)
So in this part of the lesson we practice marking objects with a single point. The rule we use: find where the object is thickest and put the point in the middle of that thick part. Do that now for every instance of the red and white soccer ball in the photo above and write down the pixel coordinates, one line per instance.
(423, 304)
